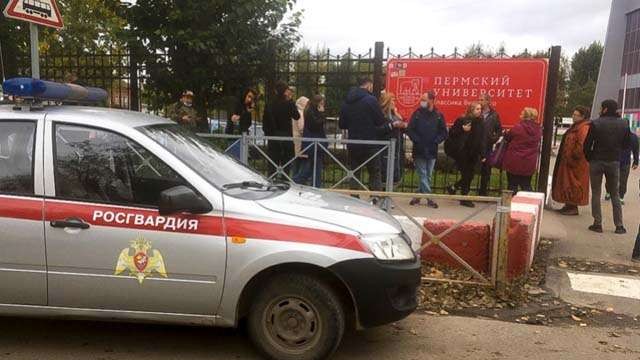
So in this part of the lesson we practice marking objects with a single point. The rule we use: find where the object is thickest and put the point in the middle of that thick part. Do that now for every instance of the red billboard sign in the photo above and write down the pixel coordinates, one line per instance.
(512, 84)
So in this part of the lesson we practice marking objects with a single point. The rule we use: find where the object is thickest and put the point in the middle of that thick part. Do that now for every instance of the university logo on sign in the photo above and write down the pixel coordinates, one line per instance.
(41, 12)
(409, 91)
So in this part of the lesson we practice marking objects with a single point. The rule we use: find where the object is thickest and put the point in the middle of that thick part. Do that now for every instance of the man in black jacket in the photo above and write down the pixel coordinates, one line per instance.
(277, 122)
(362, 117)
(607, 138)
(492, 132)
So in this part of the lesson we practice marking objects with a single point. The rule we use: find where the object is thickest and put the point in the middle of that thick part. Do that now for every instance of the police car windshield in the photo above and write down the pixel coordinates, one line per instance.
(201, 156)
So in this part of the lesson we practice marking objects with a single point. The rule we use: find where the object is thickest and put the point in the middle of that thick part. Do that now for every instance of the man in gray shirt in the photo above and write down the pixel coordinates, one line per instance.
(608, 136)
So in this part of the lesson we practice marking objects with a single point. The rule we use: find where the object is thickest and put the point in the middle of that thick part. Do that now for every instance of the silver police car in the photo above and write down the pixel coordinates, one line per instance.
(118, 215)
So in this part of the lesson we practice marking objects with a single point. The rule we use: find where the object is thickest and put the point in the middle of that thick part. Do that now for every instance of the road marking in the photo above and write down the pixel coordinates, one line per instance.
(605, 285)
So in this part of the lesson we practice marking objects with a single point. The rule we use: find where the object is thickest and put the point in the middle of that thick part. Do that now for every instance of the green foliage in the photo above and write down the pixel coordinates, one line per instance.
(216, 48)
(14, 44)
(562, 100)
(320, 72)
(582, 95)
(89, 26)
(479, 49)
(585, 66)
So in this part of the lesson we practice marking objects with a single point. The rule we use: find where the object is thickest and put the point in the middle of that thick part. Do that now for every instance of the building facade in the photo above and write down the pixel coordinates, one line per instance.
(620, 68)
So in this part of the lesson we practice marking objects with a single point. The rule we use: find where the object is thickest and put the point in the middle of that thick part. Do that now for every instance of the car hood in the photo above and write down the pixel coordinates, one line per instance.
(333, 208)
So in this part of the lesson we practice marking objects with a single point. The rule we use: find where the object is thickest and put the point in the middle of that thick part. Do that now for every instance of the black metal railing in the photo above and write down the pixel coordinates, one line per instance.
(129, 85)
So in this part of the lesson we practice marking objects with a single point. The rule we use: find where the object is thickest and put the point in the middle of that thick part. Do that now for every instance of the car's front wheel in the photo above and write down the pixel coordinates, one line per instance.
(296, 317)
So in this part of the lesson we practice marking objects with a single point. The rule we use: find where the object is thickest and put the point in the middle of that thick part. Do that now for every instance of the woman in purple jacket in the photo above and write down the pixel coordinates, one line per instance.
(521, 159)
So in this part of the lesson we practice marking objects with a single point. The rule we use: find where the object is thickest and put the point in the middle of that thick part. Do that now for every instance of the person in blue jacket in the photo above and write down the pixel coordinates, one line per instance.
(427, 129)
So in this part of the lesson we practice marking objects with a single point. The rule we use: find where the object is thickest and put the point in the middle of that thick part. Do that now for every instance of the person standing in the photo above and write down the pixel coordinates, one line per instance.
(466, 146)
(571, 174)
(362, 117)
(607, 137)
(492, 132)
(631, 150)
(277, 122)
(313, 128)
(240, 120)
(297, 129)
(391, 114)
(521, 159)
(427, 129)
(182, 112)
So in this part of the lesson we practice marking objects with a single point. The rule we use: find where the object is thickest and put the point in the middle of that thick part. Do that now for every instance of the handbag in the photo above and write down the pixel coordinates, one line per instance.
(496, 157)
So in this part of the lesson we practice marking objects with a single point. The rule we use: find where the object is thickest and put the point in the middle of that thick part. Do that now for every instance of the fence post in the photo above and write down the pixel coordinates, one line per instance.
(391, 161)
(503, 222)
(315, 164)
(134, 86)
(244, 149)
(377, 68)
(550, 105)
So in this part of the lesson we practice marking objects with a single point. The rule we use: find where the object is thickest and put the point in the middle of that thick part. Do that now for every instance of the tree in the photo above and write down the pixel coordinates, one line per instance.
(585, 66)
(562, 100)
(14, 46)
(479, 50)
(90, 26)
(216, 48)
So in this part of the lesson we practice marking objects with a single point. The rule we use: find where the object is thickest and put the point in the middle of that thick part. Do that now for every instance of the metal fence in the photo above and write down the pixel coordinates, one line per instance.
(322, 72)
(338, 169)
(332, 75)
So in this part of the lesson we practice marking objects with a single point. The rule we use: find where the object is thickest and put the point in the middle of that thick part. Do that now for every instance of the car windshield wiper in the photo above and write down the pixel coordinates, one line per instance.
(279, 186)
(244, 185)
(256, 185)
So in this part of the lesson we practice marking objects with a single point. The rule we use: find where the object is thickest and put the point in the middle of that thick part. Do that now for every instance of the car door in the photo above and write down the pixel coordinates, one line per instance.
(22, 249)
(107, 246)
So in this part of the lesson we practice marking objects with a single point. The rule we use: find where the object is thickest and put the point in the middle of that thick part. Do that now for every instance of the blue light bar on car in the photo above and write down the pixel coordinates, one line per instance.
(49, 90)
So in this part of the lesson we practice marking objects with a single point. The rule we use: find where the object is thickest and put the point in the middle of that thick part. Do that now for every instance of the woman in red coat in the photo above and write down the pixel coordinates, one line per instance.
(521, 159)
(571, 174)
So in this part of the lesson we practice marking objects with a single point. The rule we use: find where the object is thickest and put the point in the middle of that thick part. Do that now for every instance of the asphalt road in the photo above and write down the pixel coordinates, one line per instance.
(418, 337)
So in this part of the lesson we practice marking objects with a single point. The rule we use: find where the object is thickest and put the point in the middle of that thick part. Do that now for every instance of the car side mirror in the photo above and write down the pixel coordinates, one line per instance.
(182, 199)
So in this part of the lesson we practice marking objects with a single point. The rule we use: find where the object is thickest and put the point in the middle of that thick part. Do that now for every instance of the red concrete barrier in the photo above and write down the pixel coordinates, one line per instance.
(471, 241)
(520, 244)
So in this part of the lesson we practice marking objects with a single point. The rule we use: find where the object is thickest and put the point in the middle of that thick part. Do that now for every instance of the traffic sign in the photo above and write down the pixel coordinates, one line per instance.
(40, 12)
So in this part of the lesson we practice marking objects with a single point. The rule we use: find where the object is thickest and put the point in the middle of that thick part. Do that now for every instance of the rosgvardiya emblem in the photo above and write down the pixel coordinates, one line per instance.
(140, 261)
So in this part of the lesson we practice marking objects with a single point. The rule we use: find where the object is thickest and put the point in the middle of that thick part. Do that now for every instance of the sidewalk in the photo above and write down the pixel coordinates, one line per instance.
(575, 240)
(605, 289)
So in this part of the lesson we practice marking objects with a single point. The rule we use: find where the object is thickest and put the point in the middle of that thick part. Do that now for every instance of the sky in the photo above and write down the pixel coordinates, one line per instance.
(445, 24)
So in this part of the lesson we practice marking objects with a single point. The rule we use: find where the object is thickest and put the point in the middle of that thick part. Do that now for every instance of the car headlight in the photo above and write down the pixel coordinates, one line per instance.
(389, 247)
